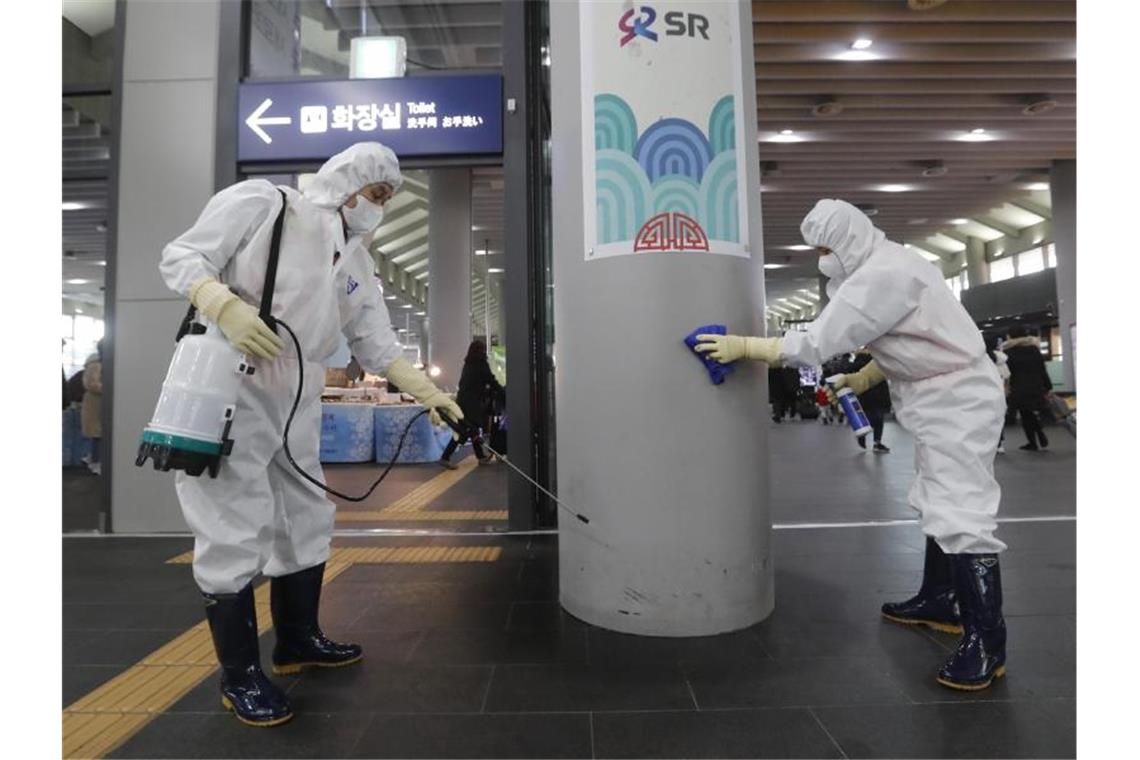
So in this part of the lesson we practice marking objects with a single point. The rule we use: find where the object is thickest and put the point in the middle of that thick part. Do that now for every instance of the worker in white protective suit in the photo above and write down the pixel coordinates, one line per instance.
(259, 515)
(945, 391)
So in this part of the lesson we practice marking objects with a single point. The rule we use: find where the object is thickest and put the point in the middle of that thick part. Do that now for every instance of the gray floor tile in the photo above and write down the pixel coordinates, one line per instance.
(979, 729)
(502, 647)
(384, 687)
(729, 734)
(548, 688)
(220, 735)
(476, 736)
(794, 683)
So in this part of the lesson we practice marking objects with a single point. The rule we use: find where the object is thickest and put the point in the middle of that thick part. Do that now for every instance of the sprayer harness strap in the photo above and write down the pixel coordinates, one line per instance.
(191, 327)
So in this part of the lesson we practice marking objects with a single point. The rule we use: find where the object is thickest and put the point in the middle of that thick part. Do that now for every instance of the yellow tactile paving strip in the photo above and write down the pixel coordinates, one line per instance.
(374, 555)
(101, 721)
(364, 515)
(422, 495)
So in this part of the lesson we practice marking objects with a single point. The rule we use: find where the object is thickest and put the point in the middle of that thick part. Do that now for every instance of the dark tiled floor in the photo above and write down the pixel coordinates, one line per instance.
(82, 496)
(478, 660)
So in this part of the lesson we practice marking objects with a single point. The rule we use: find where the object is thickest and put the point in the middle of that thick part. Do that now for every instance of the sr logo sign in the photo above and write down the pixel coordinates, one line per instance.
(639, 23)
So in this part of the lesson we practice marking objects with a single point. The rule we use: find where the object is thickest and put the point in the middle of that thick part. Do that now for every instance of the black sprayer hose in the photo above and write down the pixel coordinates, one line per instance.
(289, 423)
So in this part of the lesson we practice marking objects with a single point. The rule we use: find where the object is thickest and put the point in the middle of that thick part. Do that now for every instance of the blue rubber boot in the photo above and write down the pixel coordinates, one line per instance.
(246, 690)
(295, 600)
(980, 656)
(935, 606)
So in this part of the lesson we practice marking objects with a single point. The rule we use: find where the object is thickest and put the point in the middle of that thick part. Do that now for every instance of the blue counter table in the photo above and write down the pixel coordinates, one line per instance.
(356, 432)
(424, 442)
(347, 432)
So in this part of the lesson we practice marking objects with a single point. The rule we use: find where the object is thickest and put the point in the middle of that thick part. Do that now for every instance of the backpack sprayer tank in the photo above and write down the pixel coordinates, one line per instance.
(191, 423)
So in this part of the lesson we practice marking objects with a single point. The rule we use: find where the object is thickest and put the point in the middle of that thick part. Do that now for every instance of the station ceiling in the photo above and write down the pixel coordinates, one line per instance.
(895, 132)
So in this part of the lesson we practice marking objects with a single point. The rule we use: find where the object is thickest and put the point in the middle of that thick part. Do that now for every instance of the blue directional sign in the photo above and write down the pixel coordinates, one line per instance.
(301, 120)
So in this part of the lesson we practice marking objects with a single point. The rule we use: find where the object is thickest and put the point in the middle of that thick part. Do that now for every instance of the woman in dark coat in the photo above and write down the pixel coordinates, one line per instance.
(477, 385)
(1028, 384)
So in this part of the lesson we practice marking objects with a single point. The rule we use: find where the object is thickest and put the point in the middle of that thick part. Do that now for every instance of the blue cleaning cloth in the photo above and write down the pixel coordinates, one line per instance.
(717, 371)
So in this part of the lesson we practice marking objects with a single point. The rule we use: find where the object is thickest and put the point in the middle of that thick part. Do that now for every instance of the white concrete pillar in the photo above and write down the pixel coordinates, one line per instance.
(449, 272)
(670, 471)
(977, 268)
(1063, 189)
(165, 176)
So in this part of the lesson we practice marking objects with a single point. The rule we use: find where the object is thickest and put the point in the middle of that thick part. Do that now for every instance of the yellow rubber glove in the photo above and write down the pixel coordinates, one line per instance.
(238, 320)
(414, 381)
(729, 348)
(860, 382)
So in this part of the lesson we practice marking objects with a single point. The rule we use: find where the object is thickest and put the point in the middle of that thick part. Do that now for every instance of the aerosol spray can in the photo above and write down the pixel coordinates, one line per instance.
(856, 417)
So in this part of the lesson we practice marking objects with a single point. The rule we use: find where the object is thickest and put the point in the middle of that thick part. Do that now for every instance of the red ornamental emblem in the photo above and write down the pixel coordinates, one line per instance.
(671, 231)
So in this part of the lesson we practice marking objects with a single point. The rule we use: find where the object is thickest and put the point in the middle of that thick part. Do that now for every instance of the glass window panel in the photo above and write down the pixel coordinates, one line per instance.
(1001, 269)
(290, 38)
(1050, 256)
(1030, 262)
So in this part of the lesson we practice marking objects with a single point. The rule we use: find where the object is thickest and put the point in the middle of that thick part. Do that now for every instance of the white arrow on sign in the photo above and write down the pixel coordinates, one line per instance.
(255, 120)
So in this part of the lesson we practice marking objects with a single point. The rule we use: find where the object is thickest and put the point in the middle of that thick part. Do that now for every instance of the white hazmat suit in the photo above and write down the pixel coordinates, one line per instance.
(945, 390)
(259, 515)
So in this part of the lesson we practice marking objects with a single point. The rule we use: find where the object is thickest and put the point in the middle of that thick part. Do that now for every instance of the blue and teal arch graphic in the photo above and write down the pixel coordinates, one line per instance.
(615, 126)
(671, 166)
(719, 213)
(624, 196)
(673, 147)
(722, 126)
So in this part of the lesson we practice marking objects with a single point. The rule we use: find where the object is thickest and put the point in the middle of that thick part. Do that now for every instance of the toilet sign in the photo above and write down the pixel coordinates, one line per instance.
(435, 116)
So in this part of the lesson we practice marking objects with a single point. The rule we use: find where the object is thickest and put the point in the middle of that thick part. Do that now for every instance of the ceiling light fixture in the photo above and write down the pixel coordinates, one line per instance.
(978, 134)
(480, 252)
(73, 206)
(496, 270)
(894, 188)
(77, 281)
(405, 306)
(776, 266)
(389, 298)
(858, 51)
(1037, 186)
(799, 247)
(786, 136)
(957, 222)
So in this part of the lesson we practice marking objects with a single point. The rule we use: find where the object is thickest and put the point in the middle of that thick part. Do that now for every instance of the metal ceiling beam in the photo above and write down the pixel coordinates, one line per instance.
(928, 86)
(959, 52)
(837, 11)
(411, 251)
(1025, 31)
(1017, 67)
(996, 224)
(989, 101)
(1033, 207)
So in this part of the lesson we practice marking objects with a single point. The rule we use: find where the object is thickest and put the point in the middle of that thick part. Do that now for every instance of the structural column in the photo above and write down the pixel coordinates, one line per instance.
(1063, 188)
(669, 470)
(977, 269)
(449, 272)
(165, 173)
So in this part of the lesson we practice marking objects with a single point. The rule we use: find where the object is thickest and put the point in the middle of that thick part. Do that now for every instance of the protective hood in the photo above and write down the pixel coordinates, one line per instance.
(351, 170)
(844, 229)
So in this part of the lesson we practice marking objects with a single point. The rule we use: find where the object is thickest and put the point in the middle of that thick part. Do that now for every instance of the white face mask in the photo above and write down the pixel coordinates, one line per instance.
(831, 267)
(364, 217)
